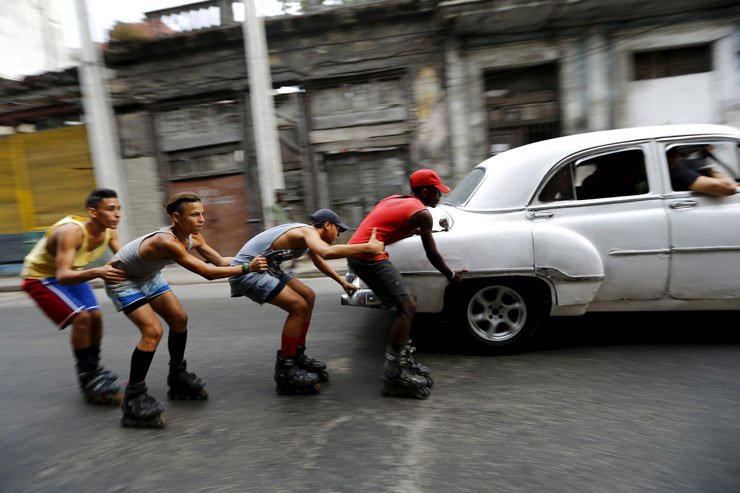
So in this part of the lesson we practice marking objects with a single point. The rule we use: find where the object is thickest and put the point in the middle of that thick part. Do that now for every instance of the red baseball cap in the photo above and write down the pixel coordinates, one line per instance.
(427, 178)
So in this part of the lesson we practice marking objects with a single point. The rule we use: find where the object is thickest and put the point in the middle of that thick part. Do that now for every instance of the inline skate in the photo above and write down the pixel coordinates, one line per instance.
(398, 380)
(99, 386)
(184, 385)
(290, 379)
(311, 365)
(415, 367)
(141, 410)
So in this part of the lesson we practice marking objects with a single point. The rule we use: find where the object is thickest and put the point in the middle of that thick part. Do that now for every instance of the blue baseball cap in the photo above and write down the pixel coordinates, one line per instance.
(322, 216)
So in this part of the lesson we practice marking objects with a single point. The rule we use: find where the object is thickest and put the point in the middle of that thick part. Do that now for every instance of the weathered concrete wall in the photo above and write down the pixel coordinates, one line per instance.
(438, 55)
(145, 193)
(700, 97)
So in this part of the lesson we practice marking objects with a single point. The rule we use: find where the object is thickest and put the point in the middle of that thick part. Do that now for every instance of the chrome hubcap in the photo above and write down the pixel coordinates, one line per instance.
(497, 313)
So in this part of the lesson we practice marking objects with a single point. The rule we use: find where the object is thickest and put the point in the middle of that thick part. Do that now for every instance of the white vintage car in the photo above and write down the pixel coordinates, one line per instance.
(588, 222)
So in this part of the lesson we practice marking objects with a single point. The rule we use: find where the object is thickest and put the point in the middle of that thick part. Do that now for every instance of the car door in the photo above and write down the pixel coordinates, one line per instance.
(610, 198)
(705, 229)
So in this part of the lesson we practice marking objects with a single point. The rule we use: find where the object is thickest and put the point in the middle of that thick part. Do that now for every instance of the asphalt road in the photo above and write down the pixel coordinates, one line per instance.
(632, 402)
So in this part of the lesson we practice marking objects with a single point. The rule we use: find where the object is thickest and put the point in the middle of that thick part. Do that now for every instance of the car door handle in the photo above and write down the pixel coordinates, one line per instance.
(540, 215)
(683, 204)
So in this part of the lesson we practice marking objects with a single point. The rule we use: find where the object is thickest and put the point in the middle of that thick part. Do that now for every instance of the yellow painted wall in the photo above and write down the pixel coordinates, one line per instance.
(47, 175)
(10, 215)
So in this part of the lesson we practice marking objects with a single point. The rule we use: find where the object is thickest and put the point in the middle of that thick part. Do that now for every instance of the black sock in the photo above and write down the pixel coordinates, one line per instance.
(95, 352)
(396, 346)
(176, 344)
(85, 362)
(140, 362)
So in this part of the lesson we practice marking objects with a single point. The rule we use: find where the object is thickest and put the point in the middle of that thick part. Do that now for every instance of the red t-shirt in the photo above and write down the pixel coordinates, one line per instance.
(391, 219)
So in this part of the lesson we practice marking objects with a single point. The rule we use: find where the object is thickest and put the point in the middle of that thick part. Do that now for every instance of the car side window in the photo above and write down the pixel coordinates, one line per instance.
(687, 161)
(559, 187)
(616, 174)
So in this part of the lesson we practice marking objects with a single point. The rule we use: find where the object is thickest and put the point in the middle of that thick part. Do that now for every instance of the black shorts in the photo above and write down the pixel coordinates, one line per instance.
(383, 278)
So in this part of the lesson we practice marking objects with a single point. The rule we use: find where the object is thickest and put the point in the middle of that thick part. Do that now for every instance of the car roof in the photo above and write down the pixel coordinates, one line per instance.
(512, 176)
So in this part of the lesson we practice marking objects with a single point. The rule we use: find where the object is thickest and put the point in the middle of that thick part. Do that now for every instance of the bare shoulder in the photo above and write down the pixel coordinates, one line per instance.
(159, 245)
(198, 240)
(421, 218)
(68, 233)
(295, 238)
(294, 234)
(305, 233)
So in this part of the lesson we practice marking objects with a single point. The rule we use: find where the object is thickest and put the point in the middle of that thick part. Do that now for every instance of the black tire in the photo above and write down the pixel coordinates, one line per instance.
(499, 316)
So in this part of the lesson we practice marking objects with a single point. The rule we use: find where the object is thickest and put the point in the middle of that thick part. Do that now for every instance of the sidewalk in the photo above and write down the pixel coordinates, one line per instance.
(178, 275)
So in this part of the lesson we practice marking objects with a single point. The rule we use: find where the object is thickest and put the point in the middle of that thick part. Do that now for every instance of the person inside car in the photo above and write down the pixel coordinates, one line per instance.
(703, 180)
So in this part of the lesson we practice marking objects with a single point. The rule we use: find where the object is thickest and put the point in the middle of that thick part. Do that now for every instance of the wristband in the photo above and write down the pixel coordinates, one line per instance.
(452, 277)
(245, 268)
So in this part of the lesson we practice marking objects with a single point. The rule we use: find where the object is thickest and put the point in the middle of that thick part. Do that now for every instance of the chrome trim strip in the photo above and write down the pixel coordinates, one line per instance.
(668, 251)
(502, 210)
(706, 249)
(562, 204)
(624, 253)
(556, 275)
(549, 273)
(474, 272)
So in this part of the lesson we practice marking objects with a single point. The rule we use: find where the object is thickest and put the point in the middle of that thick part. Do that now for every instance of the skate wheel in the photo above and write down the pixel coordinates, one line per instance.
(310, 389)
(417, 392)
(323, 376)
(202, 395)
(105, 400)
(153, 422)
(430, 381)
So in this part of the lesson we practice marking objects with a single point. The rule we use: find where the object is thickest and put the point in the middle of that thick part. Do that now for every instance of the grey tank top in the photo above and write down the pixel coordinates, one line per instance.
(260, 244)
(138, 268)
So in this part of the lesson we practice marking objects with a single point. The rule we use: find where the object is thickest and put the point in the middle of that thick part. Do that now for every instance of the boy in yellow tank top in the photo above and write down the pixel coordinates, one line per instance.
(54, 278)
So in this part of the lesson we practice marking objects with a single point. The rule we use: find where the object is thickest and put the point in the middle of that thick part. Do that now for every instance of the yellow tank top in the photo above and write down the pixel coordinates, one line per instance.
(39, 263)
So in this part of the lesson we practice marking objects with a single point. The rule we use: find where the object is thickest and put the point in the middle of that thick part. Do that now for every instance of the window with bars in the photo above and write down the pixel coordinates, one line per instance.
(672, 62)
(362, 95)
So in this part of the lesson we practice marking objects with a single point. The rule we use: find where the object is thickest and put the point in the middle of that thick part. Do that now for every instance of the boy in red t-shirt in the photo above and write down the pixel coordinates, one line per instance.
(395, 218)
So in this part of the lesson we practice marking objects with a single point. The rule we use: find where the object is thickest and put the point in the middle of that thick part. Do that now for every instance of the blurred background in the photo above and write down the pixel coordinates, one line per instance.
(155, 97)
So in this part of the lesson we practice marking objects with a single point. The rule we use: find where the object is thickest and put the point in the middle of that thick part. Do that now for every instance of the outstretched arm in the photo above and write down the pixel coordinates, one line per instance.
(177, 252)
(717, 184)
(319, 246)
(423, 220)
(209, 253)
(326, 269)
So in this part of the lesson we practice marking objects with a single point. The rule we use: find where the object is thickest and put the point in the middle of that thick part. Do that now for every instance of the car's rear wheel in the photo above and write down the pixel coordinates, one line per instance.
(499, 316)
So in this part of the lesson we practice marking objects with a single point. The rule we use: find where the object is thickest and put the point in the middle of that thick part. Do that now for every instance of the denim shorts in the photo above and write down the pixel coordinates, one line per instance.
(260, 287)
(383, 278)
(133, 293)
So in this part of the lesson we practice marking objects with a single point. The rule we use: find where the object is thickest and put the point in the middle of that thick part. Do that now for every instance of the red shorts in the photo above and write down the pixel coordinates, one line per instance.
(61, 303)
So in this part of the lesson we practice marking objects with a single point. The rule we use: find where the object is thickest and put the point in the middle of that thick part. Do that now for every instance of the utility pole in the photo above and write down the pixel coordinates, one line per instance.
(266, 139)
(100, 122)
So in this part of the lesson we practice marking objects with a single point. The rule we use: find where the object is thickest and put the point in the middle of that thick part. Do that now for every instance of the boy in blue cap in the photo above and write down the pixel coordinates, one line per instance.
(296, 373)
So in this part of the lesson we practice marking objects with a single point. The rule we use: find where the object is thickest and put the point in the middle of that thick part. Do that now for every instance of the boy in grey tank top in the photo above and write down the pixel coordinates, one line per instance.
(295, 373)
(146, 294)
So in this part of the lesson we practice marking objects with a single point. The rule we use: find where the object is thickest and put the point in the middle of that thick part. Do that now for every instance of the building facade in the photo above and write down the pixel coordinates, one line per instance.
(385, 88)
